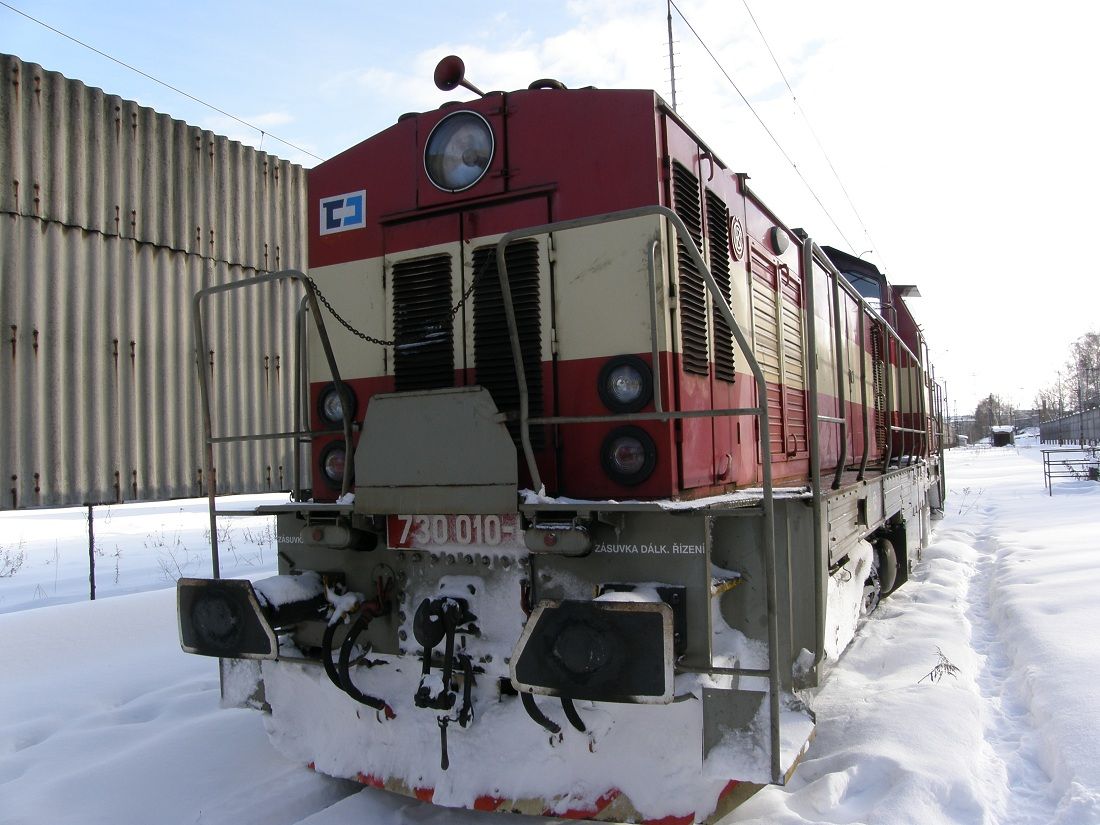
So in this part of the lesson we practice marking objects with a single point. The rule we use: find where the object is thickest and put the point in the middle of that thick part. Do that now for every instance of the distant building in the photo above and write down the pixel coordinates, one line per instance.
(1001, 435)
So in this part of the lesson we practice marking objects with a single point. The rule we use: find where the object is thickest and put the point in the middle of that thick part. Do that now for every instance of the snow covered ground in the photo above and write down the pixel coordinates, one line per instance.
(971, 696)
(138, 547)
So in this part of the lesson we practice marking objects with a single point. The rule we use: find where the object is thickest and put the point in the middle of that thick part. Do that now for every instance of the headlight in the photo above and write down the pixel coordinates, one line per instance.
(330, 404)
(222, 617)
(459, 151)
(332, 463)
(629, 455)
(603, 651)
(626, 384)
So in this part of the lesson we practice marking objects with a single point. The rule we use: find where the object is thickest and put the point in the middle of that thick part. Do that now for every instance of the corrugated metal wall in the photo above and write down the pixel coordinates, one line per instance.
(1082, 427)
(111, 217)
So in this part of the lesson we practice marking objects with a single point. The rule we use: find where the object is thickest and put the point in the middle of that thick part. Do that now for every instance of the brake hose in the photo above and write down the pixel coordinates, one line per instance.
(533, 711)
(346, 683)
(326, 654)
(572, 715)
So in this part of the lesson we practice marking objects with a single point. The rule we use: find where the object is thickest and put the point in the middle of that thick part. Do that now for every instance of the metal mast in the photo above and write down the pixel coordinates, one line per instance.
(671, 61)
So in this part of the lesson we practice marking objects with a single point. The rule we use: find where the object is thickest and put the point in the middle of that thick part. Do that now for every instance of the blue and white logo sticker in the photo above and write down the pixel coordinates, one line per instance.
(340, 213)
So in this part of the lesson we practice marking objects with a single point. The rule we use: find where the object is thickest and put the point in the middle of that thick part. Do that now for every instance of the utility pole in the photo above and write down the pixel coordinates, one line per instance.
(671, 59)
(1081, 402)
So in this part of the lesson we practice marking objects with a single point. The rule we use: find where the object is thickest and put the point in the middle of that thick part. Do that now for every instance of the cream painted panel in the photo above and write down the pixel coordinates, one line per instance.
(602, 291)
(355, 290)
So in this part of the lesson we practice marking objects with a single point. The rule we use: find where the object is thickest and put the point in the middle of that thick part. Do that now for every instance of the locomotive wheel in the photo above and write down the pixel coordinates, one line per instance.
(882, 576)
(872, 589)
(887, 560)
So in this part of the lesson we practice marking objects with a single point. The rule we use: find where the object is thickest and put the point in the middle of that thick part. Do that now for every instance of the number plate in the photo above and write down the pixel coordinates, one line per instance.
(426, 532)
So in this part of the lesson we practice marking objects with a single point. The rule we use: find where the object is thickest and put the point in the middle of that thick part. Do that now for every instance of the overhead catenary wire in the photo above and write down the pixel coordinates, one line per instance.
(671, 5)
(263, 132)
(813, 132)
(763, 125)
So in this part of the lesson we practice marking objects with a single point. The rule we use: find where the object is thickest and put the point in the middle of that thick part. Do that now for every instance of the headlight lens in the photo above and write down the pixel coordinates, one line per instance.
(626, 384)
(330, 404)
(459, 151)
(332, 463)
(217, 620)
(629, 455)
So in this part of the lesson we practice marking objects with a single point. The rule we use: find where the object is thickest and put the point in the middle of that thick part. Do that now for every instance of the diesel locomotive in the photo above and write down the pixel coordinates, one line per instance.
(605, 462)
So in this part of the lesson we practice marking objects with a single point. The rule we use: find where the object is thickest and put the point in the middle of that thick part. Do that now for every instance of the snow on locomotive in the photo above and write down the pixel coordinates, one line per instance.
(606, 463)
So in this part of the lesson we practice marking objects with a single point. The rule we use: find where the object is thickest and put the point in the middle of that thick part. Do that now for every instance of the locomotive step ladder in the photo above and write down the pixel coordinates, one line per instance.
(299, 434)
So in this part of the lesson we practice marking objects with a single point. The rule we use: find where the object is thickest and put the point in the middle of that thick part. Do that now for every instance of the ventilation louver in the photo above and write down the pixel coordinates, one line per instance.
(495, 369)
(423, 351)
(693, 294)
(718, 234)
(878, 379)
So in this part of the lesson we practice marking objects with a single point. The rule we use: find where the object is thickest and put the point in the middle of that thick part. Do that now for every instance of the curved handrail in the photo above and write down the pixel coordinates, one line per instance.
(204, 389)
(761, 411)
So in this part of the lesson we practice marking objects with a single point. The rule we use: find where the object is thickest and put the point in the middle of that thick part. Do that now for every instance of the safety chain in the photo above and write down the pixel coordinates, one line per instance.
(370, 339)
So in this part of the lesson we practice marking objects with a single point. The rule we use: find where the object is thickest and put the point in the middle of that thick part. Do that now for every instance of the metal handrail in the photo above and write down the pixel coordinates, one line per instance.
(923, 399)
(867, 420)
(301, 388)
(814, 254)
(907, 430)
(870, 310)
(888, 374)
(838, 342)
(654, 344)
(295, 433)
(761, 412)
(204, 389)
(809, 248)
(821, 587)
(517, 353)
(641, 416)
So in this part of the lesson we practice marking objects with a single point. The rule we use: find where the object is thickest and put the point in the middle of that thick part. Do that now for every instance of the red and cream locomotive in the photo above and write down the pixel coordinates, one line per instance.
(606, 464)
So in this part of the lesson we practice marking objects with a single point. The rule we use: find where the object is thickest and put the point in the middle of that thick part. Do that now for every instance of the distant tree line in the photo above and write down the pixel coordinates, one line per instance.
(991, 410)
(1077, 386)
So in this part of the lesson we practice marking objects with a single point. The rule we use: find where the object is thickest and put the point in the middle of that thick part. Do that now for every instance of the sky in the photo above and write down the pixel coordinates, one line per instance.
(950, 143)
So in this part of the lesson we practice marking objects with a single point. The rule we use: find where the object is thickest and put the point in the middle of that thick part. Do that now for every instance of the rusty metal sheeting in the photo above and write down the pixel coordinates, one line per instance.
(111, 217)
(83, 158)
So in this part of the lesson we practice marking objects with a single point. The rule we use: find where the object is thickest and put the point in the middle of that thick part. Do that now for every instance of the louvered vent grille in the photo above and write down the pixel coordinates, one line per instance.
(767, 341)
(423, 352)
(493, 362)
(718, 234)
(693, 295)
(878, 377)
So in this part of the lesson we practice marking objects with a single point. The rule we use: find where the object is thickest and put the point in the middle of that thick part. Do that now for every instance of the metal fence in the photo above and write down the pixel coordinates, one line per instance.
(1076, 463)
(111, 217)
(1079, 428)
(69, 554)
